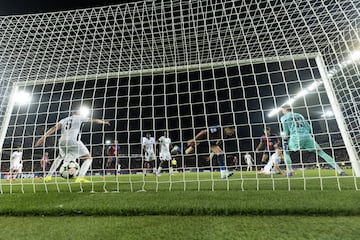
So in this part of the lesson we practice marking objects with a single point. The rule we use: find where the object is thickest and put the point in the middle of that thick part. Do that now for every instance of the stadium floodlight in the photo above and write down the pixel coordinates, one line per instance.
(355, 55)
(22, 98)
(84, 111)
(300, 94)
(107, 142)
(327, 113)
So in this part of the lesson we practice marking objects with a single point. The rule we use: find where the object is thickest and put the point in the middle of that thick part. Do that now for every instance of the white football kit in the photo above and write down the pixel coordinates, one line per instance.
(248, 159)
(165, 148)
(148, 146)
(16, 162)
(269, 167)
(70, 145)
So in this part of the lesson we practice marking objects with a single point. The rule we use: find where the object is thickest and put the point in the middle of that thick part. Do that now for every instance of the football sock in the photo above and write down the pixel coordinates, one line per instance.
(221, 162)
(159, 170)
(288, 161)
(85, 167)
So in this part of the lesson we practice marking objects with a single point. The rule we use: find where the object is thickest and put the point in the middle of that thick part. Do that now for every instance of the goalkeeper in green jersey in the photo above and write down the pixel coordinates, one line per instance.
(297, 134)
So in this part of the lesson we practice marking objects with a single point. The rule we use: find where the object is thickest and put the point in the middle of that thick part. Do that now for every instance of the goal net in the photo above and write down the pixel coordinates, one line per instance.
(182, 67)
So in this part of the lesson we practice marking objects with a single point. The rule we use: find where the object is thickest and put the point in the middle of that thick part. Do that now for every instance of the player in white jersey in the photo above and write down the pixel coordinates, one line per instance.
(70, 145)
(15, 164)
(249, 161)
(148, 146)
(272, 167)
(164, 155)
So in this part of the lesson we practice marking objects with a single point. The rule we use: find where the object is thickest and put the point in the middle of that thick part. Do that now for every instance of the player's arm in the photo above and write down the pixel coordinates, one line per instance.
(307, 126)
(202, 134)
(99, 121)
(259, 146)
(286, 130)
(49, 132)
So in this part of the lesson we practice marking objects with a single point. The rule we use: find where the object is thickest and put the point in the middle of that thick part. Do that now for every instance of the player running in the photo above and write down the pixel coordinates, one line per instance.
(70, 145)
(148, 146)
(249, 161)
(15, 164)
(165, 156)
(297, 133)
(215, 135)
(113, 156)
(268, 142)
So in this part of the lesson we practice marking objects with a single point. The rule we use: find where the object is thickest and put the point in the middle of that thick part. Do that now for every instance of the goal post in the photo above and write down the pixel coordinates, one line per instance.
(354, 157)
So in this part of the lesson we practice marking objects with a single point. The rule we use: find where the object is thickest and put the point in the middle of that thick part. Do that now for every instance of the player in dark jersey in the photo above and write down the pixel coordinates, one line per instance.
(268, 143)
(215, 135)
(113, 155)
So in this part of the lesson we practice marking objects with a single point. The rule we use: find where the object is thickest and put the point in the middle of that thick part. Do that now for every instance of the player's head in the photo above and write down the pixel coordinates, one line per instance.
(19, 149)
(267, 130)
(278, 151)
(286, 108)
(148, 135)
(165, 134)
(115, 141)
(229, 130)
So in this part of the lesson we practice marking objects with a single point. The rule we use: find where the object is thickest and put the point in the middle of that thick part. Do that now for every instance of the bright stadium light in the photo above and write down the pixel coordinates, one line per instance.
(300, 94)
(327, 114)
(355, 56)
(107, 142)
(22, 98)
(84, 111)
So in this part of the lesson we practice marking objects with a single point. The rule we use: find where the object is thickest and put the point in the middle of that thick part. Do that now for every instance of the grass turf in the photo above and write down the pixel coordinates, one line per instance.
(186, 194)
(175, 227)
(185, 206)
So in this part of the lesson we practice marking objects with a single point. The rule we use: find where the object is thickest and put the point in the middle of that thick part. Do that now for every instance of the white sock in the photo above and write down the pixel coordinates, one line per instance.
(159, 170)
(223, 173)
(54, 166)
(85, 167)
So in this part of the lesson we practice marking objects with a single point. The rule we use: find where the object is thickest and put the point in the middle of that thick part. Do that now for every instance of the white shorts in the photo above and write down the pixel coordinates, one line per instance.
(165, 156)
(269, 170)
(249, 163)
(70, 149)
(16, 167)
(150, 156)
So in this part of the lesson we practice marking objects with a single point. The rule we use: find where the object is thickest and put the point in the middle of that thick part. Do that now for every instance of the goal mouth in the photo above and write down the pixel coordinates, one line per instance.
(212, 75)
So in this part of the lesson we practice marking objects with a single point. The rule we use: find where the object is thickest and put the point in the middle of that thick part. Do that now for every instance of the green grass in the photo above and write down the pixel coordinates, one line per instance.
(303, 180)
(190, 206)
(174, 227)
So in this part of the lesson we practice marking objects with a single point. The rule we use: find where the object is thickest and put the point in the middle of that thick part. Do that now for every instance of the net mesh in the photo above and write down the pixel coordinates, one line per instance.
(180, 66)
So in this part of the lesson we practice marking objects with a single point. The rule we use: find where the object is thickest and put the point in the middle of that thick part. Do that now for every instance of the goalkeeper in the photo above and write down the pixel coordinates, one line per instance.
(215, 135)
(297, 133)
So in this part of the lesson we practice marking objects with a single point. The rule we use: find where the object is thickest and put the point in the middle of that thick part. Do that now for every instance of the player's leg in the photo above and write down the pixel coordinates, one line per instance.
(292, 146)
(85, 166)
(160, 166)
(146, 163)
(221, 161)
(79, 150)
(264, 157)
(311, 145)
(55, 165)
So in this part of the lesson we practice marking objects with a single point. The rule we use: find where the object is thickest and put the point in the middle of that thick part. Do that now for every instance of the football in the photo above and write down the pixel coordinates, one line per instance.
(69, 169)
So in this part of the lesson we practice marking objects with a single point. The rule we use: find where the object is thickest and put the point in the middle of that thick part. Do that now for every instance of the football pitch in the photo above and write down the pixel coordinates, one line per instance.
(190, 206)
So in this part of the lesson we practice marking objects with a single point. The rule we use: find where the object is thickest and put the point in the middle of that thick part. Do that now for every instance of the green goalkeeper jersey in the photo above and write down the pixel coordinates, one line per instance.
(295, 124)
